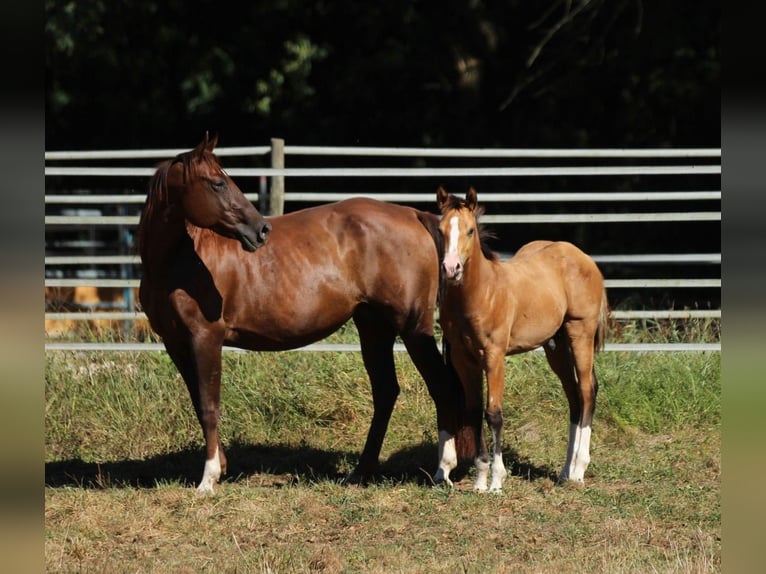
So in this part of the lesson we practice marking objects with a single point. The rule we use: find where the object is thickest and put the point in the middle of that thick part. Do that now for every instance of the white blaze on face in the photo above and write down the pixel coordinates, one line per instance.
(452, 258)
(454, 235)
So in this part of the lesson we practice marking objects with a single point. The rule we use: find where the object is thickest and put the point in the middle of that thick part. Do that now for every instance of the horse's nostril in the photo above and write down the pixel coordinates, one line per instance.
(266, 229)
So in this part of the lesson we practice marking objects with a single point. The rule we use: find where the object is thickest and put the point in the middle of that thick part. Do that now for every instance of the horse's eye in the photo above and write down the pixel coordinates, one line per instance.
(219, 184)
(470, 232)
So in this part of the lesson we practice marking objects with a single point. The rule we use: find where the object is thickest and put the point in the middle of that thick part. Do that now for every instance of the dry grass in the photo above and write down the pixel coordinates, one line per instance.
(123, 451)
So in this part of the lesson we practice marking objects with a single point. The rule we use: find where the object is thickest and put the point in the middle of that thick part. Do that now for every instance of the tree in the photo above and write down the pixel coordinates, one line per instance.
(460, 72)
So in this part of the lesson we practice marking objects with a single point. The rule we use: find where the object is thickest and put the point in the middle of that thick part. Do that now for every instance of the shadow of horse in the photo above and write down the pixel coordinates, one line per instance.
(284, 465)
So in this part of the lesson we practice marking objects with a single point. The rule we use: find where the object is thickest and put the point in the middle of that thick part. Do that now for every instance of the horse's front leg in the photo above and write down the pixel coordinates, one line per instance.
(207, 353)
(495, 368)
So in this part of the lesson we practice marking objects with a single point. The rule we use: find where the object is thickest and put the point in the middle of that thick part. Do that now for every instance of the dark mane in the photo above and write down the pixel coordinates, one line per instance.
(156, 200)
(484, 233)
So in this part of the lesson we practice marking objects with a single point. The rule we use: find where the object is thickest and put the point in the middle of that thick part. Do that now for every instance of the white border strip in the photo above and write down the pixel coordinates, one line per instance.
(351, 347)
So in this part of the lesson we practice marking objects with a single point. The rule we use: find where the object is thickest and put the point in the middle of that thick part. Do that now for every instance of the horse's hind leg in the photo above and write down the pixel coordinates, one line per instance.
(200, 366)
(443, 387)
(570, 355)
(471, 377)
(376, 337)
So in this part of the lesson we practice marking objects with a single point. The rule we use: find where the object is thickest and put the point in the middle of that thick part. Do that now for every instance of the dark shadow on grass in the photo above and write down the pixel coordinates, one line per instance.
(516, 466)
(290, 463)
(185, 466)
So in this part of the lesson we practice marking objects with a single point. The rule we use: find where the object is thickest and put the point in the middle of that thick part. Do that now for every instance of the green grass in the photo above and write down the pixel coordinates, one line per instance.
(123, 451)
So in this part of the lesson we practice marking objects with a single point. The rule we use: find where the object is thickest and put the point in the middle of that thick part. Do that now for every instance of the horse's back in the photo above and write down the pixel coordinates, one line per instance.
(322, 262)
(397, 250)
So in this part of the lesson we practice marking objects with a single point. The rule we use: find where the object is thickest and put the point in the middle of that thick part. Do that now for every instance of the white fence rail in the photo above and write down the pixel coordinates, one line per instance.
(672, 162)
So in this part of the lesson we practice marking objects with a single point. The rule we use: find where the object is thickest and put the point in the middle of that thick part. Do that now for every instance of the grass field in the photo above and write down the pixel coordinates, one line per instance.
(123, 452)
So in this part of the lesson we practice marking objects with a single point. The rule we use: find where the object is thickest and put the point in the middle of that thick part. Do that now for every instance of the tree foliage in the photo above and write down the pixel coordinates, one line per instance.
(336, 72)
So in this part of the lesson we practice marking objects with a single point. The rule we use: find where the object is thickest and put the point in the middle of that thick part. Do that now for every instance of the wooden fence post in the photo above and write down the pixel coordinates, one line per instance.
(277, 196)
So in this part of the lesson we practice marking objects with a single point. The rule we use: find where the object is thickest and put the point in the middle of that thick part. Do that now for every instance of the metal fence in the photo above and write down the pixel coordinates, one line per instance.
(74, 203)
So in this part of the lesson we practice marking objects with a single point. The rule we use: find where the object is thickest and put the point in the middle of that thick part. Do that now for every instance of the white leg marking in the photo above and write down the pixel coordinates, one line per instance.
(498, 468)
(447, 458)
(582, 456)
(498, 474)
(578, 454)
(482, 472)
(573, 437)
(210, 475)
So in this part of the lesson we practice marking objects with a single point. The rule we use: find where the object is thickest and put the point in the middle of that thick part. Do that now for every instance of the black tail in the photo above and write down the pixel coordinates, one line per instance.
(431, 222)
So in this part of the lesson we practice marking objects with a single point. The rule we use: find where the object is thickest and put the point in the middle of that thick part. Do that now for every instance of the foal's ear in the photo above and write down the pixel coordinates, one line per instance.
(442, 197)
(470, 199)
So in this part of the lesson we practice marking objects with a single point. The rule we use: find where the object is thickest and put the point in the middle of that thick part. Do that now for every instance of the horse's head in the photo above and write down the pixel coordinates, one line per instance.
(461, 231)
(458, 226)
(209, 198)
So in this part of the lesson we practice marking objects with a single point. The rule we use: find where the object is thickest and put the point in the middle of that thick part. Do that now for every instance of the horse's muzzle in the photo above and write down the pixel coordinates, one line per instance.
(252, 238)
(453, 268)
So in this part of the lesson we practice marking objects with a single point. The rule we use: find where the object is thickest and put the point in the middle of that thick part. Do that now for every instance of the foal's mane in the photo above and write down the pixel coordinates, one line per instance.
(485, 234)
(157, 200)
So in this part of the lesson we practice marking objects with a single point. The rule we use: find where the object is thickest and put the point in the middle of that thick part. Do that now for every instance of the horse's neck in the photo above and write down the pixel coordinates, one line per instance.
(165, 234)
(479, 278)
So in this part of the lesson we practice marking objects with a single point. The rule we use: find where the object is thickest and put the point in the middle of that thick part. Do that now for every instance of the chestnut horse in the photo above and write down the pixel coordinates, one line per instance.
(549, 294)
(215, 273)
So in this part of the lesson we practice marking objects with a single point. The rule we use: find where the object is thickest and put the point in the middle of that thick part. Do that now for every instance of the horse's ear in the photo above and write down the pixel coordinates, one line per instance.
(211, 142)
(470, 199)
(207, 144)
(201, 147)
(441, 198)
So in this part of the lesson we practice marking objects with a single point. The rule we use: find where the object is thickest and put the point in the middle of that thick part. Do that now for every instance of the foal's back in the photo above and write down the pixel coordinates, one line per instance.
(548, 283)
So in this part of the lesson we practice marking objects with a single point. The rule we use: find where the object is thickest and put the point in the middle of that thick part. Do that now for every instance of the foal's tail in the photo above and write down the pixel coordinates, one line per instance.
(603, 320)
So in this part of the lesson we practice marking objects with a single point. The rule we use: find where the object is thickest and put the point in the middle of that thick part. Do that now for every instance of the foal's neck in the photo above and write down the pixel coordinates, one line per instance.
(478, 271)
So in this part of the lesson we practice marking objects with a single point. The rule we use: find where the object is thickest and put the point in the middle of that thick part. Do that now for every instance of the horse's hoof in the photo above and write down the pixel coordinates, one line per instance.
(205, 490)
(443, 483)
(354, 479)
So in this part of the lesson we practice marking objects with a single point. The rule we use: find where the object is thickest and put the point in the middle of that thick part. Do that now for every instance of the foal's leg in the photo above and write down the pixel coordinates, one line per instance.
(559, 355)
(376, 338)
(583, 351)
(571, 357)
(495, 367)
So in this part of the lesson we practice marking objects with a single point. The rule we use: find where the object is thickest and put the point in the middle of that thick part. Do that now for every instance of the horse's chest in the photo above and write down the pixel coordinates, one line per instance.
(472, 333)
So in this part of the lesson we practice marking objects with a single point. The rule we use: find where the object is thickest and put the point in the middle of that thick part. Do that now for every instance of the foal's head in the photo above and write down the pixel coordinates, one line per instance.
(463, 235)
(207, 197)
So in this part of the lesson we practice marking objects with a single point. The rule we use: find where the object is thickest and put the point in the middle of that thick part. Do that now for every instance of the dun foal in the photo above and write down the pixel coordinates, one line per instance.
(549, 294)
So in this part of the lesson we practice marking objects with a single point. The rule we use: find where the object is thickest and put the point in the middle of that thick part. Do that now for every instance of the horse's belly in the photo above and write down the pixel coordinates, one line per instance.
(532, 332)
(275, 324)
(276, 340)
